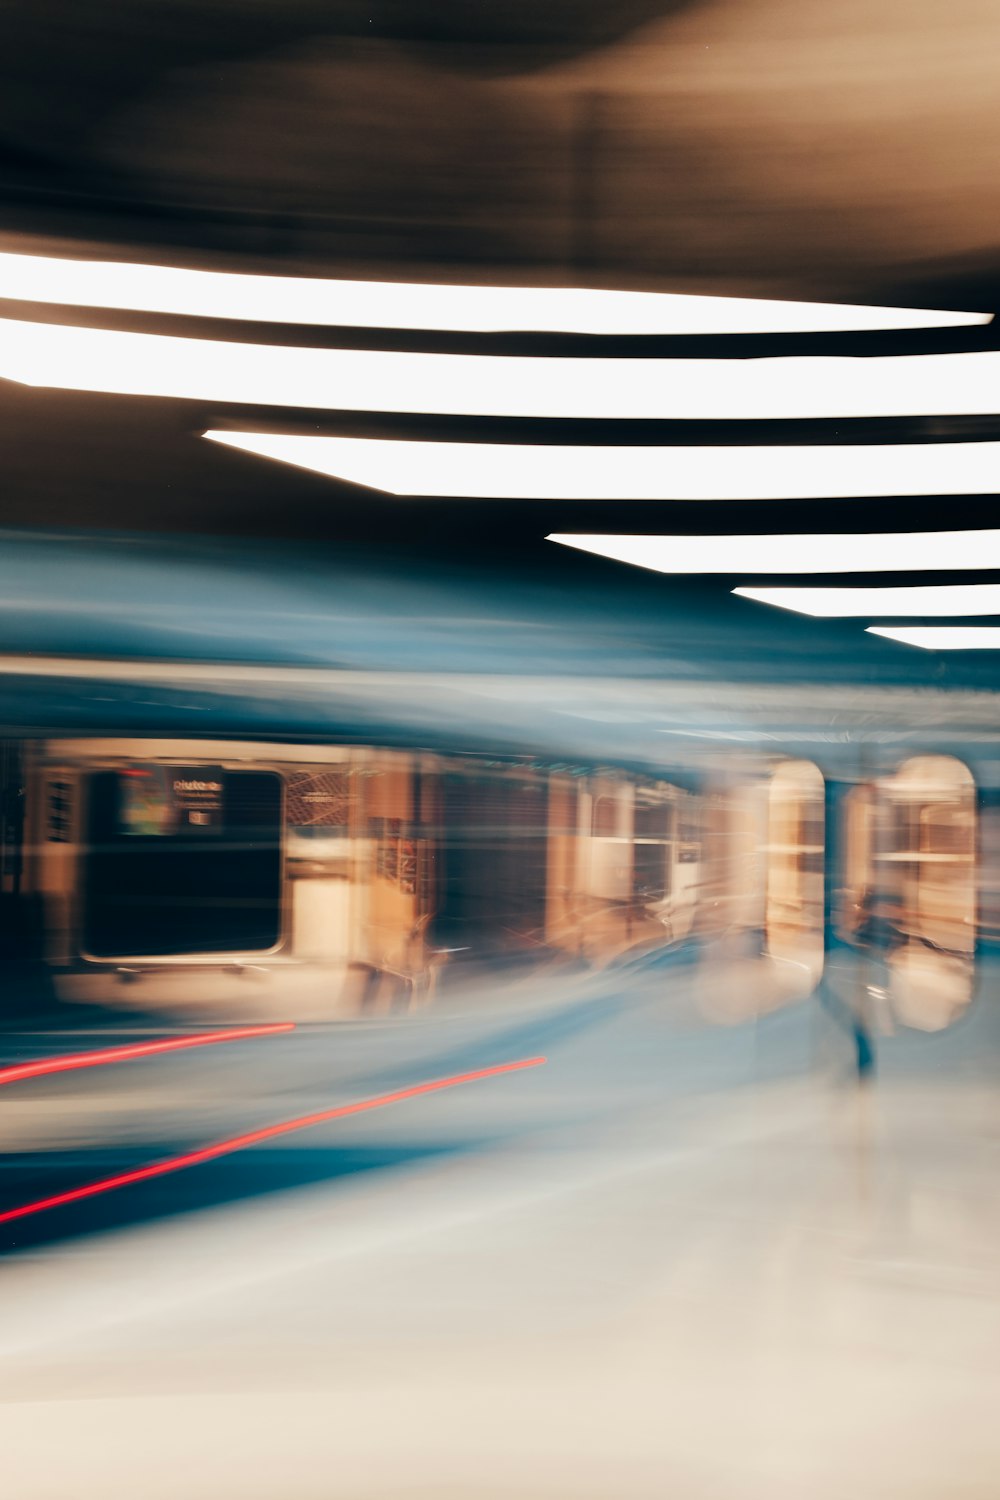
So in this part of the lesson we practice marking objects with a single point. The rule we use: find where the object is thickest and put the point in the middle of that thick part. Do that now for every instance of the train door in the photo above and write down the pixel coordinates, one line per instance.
(392, 904)
(794, 888)
(918, 867)
(665, 858)
(321, 816)
(687, 853)
(608, 867)
(730, 876)
(605, 876)
(763, 899)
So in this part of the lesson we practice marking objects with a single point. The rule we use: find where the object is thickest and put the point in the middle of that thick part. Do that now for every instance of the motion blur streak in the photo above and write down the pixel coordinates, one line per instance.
(74, 1060)
(255, 1137)
(142, 364)
(942, 637)
(840, 552)
(464, 309)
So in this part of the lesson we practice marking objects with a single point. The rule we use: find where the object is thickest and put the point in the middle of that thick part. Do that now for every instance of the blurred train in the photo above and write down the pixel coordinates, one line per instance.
(347, 879)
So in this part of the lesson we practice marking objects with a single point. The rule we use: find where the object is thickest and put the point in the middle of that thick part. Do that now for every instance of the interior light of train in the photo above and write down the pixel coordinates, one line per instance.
(942, 637)
(467, 309)
(937, 599)
(478, 385)
(840, 552)
(551, 472)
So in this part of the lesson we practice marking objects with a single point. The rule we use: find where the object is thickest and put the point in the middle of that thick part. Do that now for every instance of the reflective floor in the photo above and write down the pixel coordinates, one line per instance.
(676, 1256)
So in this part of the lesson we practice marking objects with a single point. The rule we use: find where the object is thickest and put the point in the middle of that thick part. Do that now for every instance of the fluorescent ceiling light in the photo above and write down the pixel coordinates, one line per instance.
(551, 472)
(95, 359)
(466, 309)
(938, 599)
(906, 552)
(942, 637)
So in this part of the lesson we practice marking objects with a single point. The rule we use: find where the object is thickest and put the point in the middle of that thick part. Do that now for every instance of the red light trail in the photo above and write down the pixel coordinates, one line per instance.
(266, 1133)
(73, 1060)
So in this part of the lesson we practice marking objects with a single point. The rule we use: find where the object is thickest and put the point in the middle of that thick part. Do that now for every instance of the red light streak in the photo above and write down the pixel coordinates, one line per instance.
(73, 1060)
(254, 1138)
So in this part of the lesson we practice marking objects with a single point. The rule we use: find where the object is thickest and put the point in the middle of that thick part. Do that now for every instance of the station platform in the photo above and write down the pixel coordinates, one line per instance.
(676, 1256)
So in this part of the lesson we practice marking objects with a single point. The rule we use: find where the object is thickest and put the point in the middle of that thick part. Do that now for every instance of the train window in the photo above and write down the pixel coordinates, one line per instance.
(731, 838)
(493, 878)
(653, 821)
(946, 830)
(652, 858)
(605, 817)
(60, 812)
(934, 970)
(919, 861)
(160, 882)
(318, 805)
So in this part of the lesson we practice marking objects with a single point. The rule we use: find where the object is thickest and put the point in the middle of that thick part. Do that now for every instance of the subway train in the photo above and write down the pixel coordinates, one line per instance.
(332, 880)
(243, 779)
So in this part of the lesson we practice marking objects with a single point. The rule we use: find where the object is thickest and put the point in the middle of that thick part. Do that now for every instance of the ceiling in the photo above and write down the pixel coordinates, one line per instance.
(761, 148)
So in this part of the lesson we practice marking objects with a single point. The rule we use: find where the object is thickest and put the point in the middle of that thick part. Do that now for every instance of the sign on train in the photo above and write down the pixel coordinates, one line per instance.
(162, 800)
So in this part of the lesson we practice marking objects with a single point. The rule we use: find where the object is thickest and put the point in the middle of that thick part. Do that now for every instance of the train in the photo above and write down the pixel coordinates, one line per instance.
(328, 881)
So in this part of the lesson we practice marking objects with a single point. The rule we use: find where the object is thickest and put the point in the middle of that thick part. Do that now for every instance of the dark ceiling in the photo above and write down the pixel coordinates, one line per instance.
(843, 152)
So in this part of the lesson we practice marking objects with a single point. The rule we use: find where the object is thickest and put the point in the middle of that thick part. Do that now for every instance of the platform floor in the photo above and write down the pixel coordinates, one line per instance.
(680, 1258)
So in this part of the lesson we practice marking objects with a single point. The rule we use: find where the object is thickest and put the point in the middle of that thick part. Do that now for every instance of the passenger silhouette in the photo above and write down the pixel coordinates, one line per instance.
(876, 934)
(878, 931)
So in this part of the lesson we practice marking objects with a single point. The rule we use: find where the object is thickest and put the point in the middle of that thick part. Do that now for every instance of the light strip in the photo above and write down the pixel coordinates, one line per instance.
(942, 637)
(838, 552)
(42, 1067)
(950, 600)
(128, 286)
(143, 364)
(256, 1137)
(549, 472)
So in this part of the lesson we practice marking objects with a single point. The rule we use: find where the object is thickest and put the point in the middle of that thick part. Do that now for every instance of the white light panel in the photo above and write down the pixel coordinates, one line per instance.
(468, 309)
(219, 371)
(942, 637)
(951, 600)
(840, 552)
(556, 472)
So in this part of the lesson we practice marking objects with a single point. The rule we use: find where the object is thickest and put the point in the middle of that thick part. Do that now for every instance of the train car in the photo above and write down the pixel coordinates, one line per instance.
(327, 880)
(330, 880)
